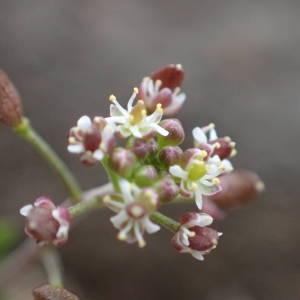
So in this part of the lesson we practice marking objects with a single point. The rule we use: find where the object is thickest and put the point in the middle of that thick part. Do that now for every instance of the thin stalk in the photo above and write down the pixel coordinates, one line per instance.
(165, 221)
(27, 132)
(52, 264)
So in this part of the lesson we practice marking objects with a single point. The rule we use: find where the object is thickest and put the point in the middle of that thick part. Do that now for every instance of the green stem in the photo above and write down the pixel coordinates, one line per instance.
(52, 263)
(114, 178)
(30, 135)
(165, 221)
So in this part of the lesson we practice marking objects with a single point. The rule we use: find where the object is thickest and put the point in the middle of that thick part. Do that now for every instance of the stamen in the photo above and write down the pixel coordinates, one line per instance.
(216, 181)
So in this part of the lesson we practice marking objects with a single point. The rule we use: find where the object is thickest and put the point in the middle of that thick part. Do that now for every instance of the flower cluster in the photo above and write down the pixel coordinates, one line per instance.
(141, 151)
(152, 168)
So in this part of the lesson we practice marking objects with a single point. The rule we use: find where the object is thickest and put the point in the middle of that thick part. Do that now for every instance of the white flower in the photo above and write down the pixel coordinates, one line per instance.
(153, 93)
(134, 120)
(200, 177)
(194, 237)
(133, 206)
(206, 138)
(92, 138)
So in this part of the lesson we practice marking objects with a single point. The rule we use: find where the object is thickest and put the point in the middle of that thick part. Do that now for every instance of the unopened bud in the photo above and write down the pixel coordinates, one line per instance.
(167, 189)
(122, 161)
(142, 148)
(49, 292)
(170, 155)
(10, 102)
(238, 188)
(46, 223)
(171, 76)
(223, 147)
(176, 133)
(145, 175)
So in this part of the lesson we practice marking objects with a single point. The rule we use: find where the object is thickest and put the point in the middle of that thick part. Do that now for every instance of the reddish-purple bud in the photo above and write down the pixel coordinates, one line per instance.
(171, 76)
(142, 148)
(238, 188)
(205, 238)
(46, 223)
(122, 161)
(10, 102)
(170, 155)
(176, 133)
(167, 189)
(50, 292)
(223, 147)
(145, 175)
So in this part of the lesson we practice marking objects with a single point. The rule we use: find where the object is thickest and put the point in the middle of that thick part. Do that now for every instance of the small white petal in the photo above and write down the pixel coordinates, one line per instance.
(213, 135)
(98, 154)
(199, 135)
(25, 210)
(84, 123)
(119, 219)
(198, 198)
(77, 148)
(177, 171)
(149, 226)
(160, 130)
(197, 255)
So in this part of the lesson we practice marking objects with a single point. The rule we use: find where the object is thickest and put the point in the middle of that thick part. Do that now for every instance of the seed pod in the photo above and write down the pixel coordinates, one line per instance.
(49, 292)
(10, 102)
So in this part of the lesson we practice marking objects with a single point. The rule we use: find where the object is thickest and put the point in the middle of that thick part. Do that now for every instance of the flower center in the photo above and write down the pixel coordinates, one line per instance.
(197, 170)
(138, 113)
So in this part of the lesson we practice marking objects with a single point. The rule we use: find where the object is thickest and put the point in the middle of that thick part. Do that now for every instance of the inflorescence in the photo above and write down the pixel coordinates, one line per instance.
(139, 146)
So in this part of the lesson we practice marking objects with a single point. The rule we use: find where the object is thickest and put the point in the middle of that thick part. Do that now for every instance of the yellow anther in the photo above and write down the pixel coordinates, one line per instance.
(191, 233)
(227, 139)
(138, 113)
(135, 90)
(122, 236)
(211, 125)
(159, 108)
(216, 181)
(260, 186)
(142, 243)
(179, 66)
(221, 167)
(233, 152)
(106, 199)
(218, 145)
(203, 154)
(232, 144)
(112, 98)
(146, 79)
(71, 140)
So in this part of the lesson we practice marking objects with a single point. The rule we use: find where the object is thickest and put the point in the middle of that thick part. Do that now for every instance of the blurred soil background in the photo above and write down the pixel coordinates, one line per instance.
(242, 63)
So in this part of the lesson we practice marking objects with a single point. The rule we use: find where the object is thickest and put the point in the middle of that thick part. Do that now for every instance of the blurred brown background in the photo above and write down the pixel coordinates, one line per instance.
(242, 66)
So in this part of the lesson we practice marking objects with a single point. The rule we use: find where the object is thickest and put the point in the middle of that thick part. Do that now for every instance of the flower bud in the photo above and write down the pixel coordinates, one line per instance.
(170, 155)
(10, 102)
(176, 133)
(142, 148)
(224, 147)
(49, 292)
(122, 161)
(238, 188)
(46, 223)
(171, 76)
(167, 189)
(145, 175)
